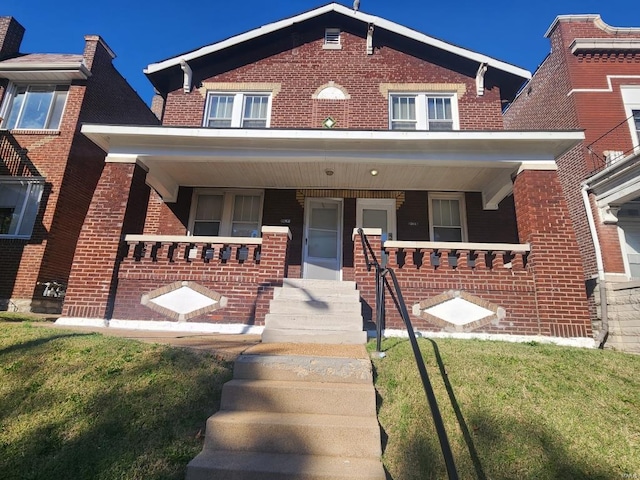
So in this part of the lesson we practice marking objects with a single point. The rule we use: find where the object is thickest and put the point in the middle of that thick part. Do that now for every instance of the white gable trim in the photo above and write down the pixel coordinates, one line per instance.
(363, 17)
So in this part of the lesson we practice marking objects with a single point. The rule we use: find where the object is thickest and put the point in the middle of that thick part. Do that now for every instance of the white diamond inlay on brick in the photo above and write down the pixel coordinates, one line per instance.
(183, 300)
(458, 311)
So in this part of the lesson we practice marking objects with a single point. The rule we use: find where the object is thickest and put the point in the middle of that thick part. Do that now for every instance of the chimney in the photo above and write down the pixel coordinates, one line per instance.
(11, 33)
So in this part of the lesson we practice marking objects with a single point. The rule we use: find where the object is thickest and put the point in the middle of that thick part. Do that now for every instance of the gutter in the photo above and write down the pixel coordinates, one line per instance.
(604, 312)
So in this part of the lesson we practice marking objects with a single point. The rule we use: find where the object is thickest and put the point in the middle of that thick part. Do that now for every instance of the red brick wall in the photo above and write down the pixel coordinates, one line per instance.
(543, 294)
(305, 68)
(115, 210)
(555, 261)
(247, 286)
(547, 103)
(71, 165)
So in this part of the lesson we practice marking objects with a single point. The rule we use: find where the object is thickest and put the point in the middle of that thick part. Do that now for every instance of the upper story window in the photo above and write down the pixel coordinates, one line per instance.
(34, 107)
(437, 112)
(239, 110)
(234, 213)
(332, 39)
(19, 202)
(636, 121)
(447, 218)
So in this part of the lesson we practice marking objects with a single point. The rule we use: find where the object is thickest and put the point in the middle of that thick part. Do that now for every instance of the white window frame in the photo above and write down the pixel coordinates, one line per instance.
(631, 100)
(422, 122)
(237, 118)
(31, 183)
(9, 97)
(332, 39)
(228, 200)
(460, 196)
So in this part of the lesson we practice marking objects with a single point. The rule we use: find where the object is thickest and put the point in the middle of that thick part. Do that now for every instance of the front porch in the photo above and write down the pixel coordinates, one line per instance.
(471, 219)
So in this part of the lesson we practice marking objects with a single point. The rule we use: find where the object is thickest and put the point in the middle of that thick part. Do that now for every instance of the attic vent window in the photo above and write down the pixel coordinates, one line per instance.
(332, 39)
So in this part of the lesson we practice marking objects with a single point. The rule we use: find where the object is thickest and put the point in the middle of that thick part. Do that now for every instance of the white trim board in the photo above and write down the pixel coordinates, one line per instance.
(609, 89)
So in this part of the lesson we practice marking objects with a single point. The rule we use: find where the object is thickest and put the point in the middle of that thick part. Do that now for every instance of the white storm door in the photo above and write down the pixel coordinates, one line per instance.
(631, 231)
(377, 213)
(322, 249)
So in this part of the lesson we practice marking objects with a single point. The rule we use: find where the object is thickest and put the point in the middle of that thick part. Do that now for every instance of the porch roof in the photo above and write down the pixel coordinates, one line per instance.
(483, 161)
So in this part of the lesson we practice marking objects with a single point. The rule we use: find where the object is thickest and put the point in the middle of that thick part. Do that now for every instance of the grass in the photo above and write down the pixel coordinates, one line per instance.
(84, 406)
(21, 317)
(512, 411)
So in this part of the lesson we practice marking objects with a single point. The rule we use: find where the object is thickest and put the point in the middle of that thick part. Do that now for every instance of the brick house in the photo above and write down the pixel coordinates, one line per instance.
(277, 143)
(591, 79)
(48, 169)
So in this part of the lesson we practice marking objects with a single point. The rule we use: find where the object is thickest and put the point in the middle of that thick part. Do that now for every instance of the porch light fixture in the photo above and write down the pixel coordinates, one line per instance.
(374, 172)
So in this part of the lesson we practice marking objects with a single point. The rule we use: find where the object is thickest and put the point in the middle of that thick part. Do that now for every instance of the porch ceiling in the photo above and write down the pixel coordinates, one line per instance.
(446, 161)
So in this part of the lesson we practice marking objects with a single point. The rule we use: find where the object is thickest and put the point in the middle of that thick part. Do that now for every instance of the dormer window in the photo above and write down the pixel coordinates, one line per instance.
(34, 107)
(332, 39)
(237, 110)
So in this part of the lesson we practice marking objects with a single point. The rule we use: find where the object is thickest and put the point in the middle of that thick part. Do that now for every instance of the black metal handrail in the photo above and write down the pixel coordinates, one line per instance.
(381, 283)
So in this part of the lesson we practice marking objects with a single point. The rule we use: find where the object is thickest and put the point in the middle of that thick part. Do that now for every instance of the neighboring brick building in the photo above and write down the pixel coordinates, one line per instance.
(275, 144)
(591, 81)
(48, 169)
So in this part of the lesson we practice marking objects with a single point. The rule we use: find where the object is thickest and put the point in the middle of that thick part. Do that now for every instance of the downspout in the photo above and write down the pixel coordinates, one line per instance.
(604, 314)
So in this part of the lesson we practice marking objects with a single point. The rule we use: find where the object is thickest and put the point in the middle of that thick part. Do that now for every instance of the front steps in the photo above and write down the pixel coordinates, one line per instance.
(315, 311)
(293, 417)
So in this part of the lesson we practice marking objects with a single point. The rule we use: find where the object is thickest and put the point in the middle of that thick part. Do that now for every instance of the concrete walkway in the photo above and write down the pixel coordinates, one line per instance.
(226, 346)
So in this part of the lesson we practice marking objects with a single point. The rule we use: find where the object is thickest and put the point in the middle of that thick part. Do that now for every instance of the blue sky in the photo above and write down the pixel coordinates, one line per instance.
(142, 32)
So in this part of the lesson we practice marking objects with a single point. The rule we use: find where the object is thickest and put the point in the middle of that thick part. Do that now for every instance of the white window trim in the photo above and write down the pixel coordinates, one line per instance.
(238, 107)
(227, 207)
(30, 181)
(327, 45)
(8, 101)
(448, 196)
(421, 107)
(631, 101)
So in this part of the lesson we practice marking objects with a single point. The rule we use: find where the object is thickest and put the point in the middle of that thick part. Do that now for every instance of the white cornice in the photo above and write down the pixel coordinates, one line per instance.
(609, 44)
(363, 17)
(591, 18)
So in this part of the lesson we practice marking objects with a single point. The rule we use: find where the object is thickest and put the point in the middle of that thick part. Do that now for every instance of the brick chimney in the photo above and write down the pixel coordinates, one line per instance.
(11, 33)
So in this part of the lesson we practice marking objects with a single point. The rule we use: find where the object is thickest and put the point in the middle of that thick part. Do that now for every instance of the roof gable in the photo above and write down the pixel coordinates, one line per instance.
(172, 66)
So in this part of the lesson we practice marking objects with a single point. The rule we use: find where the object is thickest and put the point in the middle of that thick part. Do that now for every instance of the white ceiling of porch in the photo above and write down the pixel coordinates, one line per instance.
(444, 161)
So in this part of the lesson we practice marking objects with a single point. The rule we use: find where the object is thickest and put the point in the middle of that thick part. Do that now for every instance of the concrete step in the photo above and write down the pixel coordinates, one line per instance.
(308, 321)
(290, 335)
(315, 294)
(311, 284)
(297, 433)
(336, 306)
(322, 398)
(227, 465)
(303, 369)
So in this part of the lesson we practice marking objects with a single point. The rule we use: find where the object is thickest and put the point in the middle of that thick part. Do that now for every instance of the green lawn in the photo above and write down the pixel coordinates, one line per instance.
(85, 406)
(524, 411)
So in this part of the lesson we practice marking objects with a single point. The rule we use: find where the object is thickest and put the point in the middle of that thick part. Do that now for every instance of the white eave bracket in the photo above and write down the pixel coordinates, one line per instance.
(370, 39)
(188, 76)
(480, 79)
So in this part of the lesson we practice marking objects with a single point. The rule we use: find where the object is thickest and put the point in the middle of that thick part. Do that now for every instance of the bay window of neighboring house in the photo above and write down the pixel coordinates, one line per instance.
(34, 107)
(239, 110)
(447, 217)
(226, 213)
(421, 111)
(19, 203)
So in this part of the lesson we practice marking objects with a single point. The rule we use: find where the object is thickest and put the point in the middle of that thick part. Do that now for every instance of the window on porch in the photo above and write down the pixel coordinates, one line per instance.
(19, 203)
(447, 217)
(226, 213)
(239, 110)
